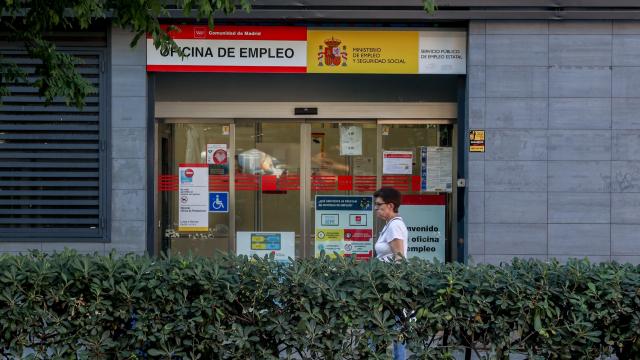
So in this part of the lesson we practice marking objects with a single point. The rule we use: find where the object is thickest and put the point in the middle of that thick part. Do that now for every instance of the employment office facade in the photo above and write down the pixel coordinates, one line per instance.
(509, 135)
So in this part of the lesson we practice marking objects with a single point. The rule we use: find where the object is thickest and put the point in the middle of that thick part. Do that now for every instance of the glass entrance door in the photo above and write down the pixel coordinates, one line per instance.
(350, 160)
(342, 162)
(187, 145)
(267, 183)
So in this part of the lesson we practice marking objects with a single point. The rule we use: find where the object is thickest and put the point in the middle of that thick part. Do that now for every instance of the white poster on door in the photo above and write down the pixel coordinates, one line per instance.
(193, 197)
(397, 162)
(350, 140)
(439, 169)
(280, 244)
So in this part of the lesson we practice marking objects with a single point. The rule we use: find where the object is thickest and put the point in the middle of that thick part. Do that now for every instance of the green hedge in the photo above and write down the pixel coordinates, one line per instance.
(74, 306)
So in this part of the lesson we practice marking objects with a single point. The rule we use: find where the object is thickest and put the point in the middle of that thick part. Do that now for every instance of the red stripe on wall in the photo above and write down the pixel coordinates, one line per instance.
(234, 69)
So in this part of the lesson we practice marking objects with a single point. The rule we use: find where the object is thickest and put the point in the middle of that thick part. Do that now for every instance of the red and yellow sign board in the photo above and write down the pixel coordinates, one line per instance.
(296, 49)
(362, 52)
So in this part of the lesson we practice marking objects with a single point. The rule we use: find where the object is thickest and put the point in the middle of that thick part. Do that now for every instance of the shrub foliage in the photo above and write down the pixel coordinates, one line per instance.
(67, 305)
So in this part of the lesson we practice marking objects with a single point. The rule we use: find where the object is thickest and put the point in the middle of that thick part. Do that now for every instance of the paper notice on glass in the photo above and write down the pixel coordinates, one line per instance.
(193, 195)
(439, 169)
(397, 162)
(350, 140)
(363, 165)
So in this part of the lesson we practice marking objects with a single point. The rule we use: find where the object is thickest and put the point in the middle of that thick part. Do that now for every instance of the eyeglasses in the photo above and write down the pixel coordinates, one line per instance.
(378, 204)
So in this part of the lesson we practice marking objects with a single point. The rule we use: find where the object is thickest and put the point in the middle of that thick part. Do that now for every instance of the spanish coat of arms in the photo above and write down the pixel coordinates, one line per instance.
(332, 54)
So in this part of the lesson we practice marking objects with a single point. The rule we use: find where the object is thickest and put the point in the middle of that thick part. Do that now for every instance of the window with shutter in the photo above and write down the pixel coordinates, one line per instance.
(53, 159)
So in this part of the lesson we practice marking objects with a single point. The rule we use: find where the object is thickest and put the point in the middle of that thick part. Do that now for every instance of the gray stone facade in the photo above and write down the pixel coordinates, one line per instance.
(560, 103)
(128, 144)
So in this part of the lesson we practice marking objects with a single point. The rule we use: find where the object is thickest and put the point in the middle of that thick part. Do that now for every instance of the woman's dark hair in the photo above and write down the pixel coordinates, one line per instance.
(390, 196)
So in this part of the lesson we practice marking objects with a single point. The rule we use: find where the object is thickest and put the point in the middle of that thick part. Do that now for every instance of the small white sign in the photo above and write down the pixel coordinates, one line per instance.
(397, 162)
(350, 140)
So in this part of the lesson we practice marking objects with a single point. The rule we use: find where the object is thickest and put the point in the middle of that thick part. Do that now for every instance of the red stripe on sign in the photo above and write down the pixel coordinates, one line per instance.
(416, 183)
(400, 182)
(345, 183)
(168, 182)
(269, 183)
(218, 182)
(234, 32)
(398, 156)
(289, 182)
(246, 182)
(234, 69)
(424, 200)
(365, 183)
(323, 182)
(193, 165)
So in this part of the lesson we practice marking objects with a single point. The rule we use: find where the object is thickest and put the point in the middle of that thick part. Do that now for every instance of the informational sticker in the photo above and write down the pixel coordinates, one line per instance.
(397, 162)
(217, 154)
(439, 169)
(193, 197)
(350, 140)
(424, 216)
(219, 202)
(280, 244)
(476, 141)
(344, 225)
(225, 129)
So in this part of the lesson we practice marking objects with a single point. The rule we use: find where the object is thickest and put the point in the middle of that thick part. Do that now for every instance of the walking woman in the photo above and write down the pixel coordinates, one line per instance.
(392, 242)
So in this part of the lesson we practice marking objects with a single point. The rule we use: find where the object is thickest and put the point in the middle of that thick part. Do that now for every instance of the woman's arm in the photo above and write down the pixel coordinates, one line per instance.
(397, 247)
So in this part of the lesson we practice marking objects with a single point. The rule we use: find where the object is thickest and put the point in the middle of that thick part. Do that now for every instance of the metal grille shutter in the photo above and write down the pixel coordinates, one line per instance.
(52, 159)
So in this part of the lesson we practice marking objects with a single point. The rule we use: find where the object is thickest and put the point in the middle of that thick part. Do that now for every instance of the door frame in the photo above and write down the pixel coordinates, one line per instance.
(380, 113)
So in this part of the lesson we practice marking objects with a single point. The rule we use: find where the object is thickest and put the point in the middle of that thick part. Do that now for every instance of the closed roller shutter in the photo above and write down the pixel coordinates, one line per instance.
(53, 159)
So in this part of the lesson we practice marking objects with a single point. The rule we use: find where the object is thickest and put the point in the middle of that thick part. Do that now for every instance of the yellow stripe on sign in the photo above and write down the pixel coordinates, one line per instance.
(193, 229)
(362, 52)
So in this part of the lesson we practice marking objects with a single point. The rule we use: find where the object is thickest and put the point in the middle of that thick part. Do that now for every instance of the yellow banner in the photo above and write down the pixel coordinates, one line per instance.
(362, 52)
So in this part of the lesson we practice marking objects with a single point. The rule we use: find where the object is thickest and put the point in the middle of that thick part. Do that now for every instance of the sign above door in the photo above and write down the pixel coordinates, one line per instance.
(297, 49)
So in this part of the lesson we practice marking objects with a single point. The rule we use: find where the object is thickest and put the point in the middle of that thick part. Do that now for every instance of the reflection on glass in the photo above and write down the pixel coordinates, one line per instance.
(258, 162)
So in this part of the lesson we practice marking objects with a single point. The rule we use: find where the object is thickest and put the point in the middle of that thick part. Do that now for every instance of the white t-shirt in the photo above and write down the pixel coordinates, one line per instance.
(394, 229)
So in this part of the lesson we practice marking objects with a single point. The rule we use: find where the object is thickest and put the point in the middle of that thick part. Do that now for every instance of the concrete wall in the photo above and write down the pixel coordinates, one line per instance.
(128, 144)
(560, 103)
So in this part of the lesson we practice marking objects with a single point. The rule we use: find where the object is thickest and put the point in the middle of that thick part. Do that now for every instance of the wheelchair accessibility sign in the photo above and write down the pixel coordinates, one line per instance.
(219, 202)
